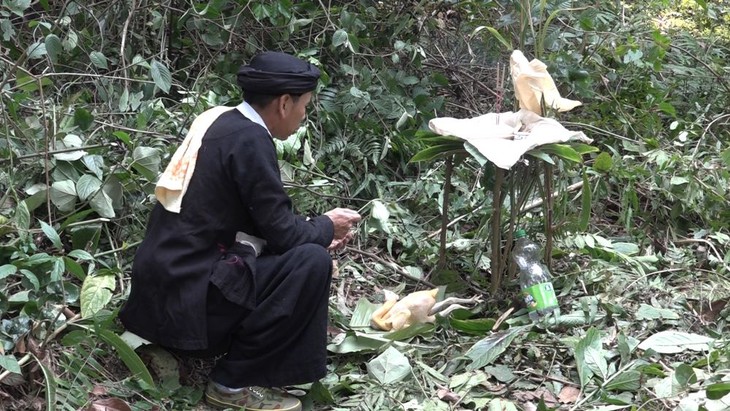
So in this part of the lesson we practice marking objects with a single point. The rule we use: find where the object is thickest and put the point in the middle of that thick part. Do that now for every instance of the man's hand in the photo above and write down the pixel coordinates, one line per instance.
(343, 219)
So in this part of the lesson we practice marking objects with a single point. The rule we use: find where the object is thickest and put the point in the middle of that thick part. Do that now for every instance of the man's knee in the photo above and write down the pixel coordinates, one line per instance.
(316, 257)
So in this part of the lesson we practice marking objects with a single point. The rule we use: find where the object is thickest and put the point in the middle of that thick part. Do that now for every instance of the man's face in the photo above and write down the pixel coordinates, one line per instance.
(292, 112)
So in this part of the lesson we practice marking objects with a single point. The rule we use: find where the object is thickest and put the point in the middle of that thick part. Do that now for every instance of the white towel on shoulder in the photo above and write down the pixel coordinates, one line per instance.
(173, 183)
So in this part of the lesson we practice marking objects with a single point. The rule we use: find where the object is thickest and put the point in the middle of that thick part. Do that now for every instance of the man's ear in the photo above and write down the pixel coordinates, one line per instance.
(283, 104)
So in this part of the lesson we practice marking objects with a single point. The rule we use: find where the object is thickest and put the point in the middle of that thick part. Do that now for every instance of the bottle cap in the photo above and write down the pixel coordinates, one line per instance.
(520, 233)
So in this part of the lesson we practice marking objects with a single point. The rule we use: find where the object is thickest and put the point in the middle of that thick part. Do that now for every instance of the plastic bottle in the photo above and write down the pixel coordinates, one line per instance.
(537, 289)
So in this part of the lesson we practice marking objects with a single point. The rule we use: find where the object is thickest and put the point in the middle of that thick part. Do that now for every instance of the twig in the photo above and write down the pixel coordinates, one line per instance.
(445, 211)
(125, 29)
(400, 270)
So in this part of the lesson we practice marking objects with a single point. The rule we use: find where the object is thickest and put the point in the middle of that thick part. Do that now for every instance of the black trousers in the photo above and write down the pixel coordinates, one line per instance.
(282, 340)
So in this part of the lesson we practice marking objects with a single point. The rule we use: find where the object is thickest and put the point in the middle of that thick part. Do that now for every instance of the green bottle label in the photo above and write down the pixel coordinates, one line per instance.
(540, 296)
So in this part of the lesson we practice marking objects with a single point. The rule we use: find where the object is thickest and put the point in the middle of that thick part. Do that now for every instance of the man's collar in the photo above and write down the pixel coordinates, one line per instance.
(252, 115)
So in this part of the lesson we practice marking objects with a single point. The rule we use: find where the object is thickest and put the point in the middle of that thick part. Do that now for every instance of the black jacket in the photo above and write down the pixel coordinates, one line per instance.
(236, 186)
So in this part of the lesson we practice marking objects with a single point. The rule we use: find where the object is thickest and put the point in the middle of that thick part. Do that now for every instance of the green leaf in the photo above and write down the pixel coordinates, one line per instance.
(672, 342)
(362, 314)
(96, 292)
(507, 45)
(717, 390)
(22, 217)
(589, 356)
(87, 186)
(7, 270)
(356, 342)
(563, 151)
(440, 150)
(411, 331)
(484, 351)
(603, 163)
(52, 235)
(63, 195)
(50, 382)
(31, 277)
(381, 215)
(389, 367)
(725, 155)
(626, 381)
(339, 38)
(10, 363)
(83, 118)
(161, 76)
(53, 46)
(668, 108)
(586, 203)
(74, 268)
(17, 6)
(127, 355)
(479, 326)
(36, 50)
(146, 161)
(474, 152)
(647, 312)
(98, 59)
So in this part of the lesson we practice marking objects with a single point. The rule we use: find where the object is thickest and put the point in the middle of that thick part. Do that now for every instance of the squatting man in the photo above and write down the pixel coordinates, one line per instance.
(226, 267)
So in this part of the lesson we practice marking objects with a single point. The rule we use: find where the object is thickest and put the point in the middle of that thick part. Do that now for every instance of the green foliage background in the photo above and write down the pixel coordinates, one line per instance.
(95, 97)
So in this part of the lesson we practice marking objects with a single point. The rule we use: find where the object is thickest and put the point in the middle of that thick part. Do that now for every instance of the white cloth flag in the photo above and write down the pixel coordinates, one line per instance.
(504, 137)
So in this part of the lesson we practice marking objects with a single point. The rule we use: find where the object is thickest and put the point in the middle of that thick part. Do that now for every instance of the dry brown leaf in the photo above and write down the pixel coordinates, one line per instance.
(99, 391)
(447, 395)
(568, 395)
(109, 404)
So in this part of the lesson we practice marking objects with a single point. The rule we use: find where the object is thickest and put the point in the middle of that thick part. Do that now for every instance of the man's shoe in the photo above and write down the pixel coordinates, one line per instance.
(252, 399)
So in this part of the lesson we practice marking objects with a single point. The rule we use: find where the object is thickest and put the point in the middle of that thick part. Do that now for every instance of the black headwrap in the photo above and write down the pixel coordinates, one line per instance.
(274, 73)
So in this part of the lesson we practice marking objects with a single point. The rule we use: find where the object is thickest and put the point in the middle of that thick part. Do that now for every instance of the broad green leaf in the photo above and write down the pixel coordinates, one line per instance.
(409, 332)
(582, 148)
(74, 268)
(63, 195)
(96, 292)
(70, 41)
(98, 59)
(356, 342)
(36, 50)
(717, 390)
(10, 363)
(563, 151)
(474, 152)
(31, 277)
(49, 380)
(484, 351)
(53, 46)
(22, 217)
(59, 267)
(589, 356)
(7, 270)
(127, 355)
(146, 161)
(389, 367)
(440, 150)
(339, 38)
(647, 312)
(502, 373)
(161, 76)
(362, 314)
(17, 6)
(81, 255)
(479, 326)
(668, 108)
(678, 181)
(672, 342)
(87, 186)
(626, 381)
(52, 235)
